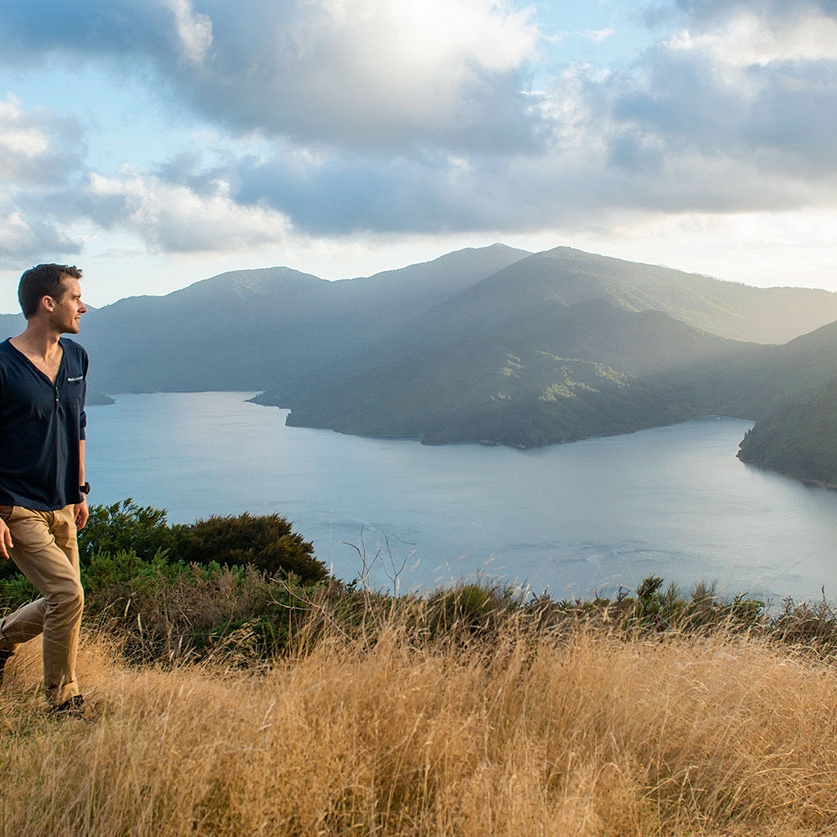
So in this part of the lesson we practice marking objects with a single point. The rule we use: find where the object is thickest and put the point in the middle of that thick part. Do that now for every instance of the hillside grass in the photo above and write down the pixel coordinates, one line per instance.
(572, 729)
(226, 700)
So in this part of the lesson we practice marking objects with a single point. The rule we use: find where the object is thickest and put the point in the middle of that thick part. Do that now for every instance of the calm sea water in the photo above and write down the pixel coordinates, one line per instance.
(573, 519)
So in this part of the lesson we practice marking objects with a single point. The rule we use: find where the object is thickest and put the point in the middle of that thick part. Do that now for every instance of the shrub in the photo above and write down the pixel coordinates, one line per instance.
(469, 609)
(15, 591)
(266, 543)
(164, 611)
(807, 624)
(122, 527)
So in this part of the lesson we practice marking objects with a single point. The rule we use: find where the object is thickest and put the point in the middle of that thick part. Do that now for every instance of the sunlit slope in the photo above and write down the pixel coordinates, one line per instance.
(567, 276)
(565, 345)
(564, 373)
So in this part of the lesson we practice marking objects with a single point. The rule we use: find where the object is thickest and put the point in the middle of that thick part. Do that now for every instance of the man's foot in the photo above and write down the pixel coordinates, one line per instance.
(72, 708)
(4, 656)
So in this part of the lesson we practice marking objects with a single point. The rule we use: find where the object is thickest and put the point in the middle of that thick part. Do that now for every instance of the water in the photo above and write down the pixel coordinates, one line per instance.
(573, 519)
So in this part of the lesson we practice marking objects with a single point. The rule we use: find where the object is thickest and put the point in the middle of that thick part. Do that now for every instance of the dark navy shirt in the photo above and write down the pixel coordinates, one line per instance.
(41, 424)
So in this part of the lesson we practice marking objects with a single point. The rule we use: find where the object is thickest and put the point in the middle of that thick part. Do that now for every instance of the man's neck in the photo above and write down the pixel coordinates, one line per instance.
(40, 344)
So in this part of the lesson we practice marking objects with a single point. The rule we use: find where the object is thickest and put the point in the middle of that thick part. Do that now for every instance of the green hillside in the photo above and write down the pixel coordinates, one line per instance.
(567, 373)
(796, 430)
(575, 323)
(798, 439)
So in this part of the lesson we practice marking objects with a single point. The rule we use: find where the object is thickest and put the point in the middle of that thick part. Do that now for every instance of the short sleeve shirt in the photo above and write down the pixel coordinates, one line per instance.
(41, 424)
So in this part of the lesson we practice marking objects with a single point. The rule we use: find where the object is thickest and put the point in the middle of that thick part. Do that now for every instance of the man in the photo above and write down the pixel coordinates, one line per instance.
(43, 493)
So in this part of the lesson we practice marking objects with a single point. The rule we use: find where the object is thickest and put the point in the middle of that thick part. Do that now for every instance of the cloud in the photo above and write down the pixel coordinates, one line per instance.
(362, 73)
(194, 30)
(365, 73)
(40, 154)
(736, 116)
(746, 91)
(36, 147)
(598, 35)
(712, 11)
(176, 219)
(23, 239)
(404, 117)
(747, 39)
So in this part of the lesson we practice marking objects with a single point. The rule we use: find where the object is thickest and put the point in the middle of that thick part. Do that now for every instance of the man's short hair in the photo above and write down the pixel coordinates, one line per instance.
(40, 281)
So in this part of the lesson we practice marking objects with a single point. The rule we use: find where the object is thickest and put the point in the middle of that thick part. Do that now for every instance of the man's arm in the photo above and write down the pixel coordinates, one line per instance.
(5, 539)
(81, 508)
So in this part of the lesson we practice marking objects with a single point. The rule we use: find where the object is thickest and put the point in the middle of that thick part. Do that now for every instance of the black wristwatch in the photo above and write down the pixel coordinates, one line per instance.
(84, 489)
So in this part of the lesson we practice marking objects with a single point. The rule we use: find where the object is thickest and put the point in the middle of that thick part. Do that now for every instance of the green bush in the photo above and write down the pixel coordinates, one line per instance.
(266, 543)
(472, 608)
(15, 591)
(164, 611)
(125, 527)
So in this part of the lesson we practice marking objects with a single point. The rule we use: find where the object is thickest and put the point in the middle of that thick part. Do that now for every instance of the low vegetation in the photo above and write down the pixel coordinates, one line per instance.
(230, 699)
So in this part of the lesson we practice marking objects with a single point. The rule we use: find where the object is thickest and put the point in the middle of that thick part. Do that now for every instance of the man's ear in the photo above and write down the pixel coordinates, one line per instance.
(48, 303)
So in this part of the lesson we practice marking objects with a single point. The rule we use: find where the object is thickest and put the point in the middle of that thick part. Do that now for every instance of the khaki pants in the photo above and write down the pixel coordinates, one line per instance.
(46, 552)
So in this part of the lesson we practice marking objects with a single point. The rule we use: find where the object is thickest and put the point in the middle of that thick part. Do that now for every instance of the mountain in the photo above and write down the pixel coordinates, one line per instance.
(250, 329)
(567, 373)
(11, 324)
(247, 330)
(563, 345)
(493, 345)
(566, 276)
(292, 333)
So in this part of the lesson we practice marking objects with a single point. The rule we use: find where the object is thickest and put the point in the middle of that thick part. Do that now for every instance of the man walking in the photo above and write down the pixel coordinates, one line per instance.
(43, 493)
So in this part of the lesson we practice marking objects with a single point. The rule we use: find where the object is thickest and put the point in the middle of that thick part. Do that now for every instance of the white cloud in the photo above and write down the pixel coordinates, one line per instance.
(16, 236)
(35, 145)
(25, 239)
(194, 30)
(750, 39)
(174, 218)
(385, 73)
(598, 35)
(39, 154)
(373, 118)
(18, 134)
(374, 73)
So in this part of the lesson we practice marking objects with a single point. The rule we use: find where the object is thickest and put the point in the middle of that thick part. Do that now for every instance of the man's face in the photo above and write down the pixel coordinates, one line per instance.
(68, 309)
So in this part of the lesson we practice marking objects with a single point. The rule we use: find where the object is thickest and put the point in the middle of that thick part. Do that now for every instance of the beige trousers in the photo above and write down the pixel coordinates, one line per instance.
(46, 552)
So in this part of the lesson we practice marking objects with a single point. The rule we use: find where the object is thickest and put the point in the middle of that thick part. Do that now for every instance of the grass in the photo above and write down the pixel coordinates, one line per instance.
(575, 728)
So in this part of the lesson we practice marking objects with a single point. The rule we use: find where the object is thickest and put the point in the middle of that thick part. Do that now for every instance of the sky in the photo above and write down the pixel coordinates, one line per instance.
(155, 143)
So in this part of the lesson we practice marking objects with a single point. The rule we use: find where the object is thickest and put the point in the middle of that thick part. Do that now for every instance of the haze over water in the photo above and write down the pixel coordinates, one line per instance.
(594, 515)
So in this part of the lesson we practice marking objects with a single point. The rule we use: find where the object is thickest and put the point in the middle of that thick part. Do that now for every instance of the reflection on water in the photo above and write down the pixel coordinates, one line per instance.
(594, 515)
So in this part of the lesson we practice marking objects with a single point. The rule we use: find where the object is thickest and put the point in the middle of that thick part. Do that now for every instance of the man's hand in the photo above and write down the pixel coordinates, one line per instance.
(82, 513)
(5, 539)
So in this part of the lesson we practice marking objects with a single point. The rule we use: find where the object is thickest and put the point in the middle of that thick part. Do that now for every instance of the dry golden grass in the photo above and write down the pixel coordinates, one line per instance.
(591, 735)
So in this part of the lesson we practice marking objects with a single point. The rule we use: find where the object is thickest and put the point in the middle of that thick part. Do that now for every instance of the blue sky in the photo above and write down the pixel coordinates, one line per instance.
(158, 142)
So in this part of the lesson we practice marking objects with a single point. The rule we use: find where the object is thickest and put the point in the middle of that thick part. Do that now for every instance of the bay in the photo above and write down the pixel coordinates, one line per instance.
(570, 519)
